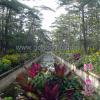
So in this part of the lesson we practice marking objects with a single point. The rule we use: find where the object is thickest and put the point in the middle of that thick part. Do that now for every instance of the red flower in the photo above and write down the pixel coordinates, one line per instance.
(60, 70)
(23, 82)
(51, 91)
(36, 67)
(33, 71)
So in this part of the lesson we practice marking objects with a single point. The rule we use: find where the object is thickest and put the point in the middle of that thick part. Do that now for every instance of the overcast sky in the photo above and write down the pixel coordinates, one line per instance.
(48, 16)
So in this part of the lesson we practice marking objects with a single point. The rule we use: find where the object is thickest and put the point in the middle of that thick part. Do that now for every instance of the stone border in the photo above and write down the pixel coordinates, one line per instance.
(81, 74)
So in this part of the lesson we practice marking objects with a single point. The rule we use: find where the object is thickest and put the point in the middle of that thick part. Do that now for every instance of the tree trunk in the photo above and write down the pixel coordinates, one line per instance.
(84, 32)
(98, 31)
(6, 34)
(2, 31)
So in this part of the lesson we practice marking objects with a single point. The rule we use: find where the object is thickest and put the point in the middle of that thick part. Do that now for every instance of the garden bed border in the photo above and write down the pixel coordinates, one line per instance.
(10, 78)
(82, 74)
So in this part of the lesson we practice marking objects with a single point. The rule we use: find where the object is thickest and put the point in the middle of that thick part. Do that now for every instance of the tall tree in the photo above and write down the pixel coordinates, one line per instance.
(82, 6)
(66, 34)
(12, 20)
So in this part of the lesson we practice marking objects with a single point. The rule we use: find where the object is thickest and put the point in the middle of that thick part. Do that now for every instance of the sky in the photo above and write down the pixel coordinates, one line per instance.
(48, 16)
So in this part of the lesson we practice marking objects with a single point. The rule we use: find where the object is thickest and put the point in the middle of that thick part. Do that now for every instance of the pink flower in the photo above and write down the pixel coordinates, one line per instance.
(85, 67)
(88, 81)
(90, 66)
(87, 93)
(36, 67)
(88, 88)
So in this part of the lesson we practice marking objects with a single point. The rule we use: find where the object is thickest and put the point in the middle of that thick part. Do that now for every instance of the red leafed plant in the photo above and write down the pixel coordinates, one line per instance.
(51, 91)
(47, 85)
(34, 70)
(23, 82)
(22, 78)
(60, 69)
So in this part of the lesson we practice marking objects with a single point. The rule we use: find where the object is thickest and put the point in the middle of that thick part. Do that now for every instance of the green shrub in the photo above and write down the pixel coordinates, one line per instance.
(91, 50)
(29, 55)
(23, 57)
(34, 54)
(93, 58)
(14, 58)
(8, 98)
(5, 64)
(1, 66)
(6, 61)
(11, 51)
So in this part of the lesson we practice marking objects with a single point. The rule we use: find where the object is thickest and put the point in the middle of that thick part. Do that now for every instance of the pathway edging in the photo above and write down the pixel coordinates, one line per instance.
(6, 81)
(81, 74)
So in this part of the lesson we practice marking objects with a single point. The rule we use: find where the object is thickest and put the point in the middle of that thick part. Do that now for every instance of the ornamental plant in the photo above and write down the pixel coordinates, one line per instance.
(41, 84)
(59, 70)
(5, 64)
(76, 56)
(88, 67)
(88, 86)
(33, 71)
(14, 58)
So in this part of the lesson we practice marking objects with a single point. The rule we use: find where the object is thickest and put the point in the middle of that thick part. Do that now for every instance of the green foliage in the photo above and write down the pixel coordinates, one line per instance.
(23, 57)
(71, 83)
(5, 64)
(8, 98)
(66, 32)
(6, 61)
(11, 60)
(9, 10)
(75, 28)
(91, 50)
(78, 95)
(93, 58)
(45, 81)
(14, 58)
(1, 66)
(68, 52)
(40, 79)
(11, 51)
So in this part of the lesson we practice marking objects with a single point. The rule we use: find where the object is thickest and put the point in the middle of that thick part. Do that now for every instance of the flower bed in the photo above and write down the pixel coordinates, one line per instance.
(10, 61)
(40, 83)
(79, 60)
